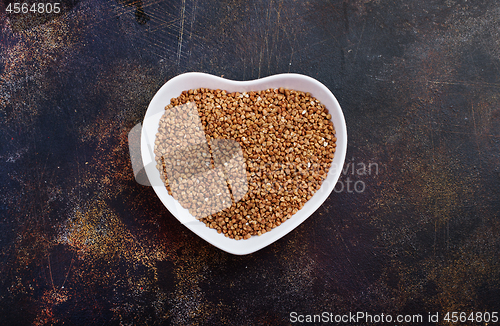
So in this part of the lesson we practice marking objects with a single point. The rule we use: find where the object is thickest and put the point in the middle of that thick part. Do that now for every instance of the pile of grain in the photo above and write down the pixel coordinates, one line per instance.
(243, 163)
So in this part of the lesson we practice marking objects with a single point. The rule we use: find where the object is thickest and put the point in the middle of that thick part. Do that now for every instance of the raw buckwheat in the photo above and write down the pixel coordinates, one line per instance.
(243, 163)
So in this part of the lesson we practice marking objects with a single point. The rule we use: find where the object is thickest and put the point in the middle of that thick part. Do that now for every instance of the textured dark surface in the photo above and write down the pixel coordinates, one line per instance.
(83, 244)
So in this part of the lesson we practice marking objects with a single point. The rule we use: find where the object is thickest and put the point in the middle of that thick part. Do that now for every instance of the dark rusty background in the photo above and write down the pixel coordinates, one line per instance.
(83, 244)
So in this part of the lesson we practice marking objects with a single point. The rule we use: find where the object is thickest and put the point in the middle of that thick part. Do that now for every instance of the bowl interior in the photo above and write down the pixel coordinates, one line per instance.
(175, 86)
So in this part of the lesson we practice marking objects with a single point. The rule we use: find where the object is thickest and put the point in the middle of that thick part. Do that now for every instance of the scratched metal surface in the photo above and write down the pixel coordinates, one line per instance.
(83, 244)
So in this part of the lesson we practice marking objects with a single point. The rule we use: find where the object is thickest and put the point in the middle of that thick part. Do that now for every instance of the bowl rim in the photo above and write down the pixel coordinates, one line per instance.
(174, 87)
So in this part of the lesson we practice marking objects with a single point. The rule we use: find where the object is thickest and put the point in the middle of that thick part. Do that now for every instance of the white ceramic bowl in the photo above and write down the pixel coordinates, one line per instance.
(193, 80)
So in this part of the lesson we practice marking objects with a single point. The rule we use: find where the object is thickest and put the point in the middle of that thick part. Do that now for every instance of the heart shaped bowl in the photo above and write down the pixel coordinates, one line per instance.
(194, 80)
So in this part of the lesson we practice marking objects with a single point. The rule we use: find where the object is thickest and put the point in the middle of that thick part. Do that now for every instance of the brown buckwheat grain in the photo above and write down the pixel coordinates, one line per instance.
(259, 156)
